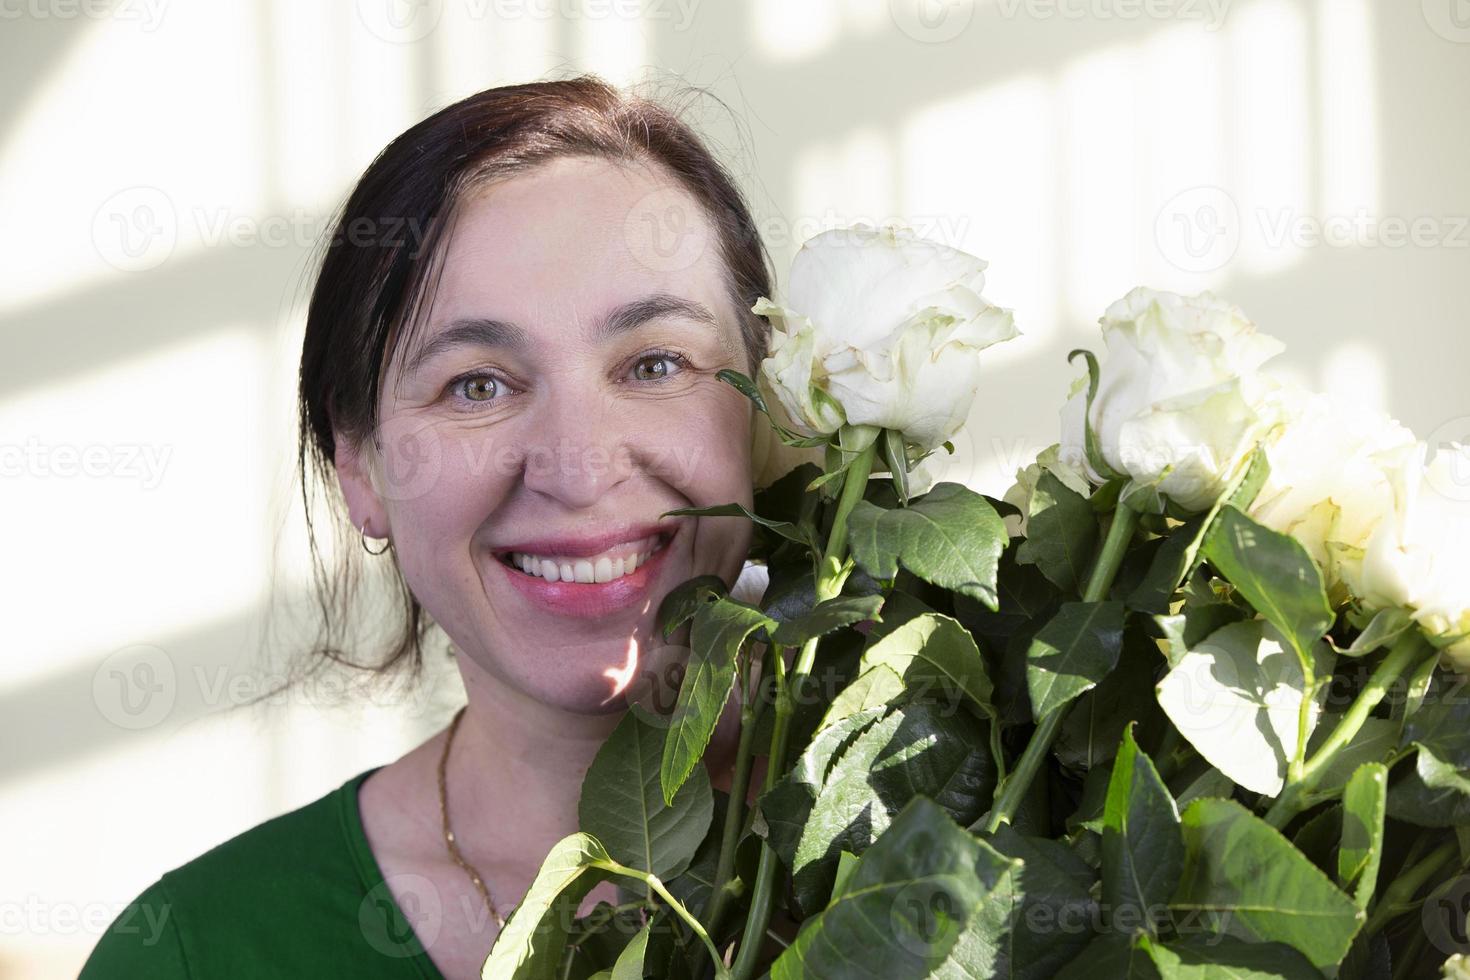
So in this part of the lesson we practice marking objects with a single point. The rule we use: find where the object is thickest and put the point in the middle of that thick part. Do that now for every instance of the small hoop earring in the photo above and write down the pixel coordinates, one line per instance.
(365, 547)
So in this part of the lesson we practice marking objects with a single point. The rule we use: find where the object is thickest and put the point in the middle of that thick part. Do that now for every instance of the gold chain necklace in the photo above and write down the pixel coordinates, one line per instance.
(454, 853)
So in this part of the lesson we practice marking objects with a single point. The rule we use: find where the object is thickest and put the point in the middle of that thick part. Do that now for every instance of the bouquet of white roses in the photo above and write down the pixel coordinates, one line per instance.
(1183, 703)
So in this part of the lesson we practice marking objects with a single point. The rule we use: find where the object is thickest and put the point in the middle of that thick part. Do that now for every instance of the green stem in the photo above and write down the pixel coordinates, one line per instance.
(1399, 898)
(830, 577)
(1406, 651)
(734, 810)
(1104, 569)
(653, 882)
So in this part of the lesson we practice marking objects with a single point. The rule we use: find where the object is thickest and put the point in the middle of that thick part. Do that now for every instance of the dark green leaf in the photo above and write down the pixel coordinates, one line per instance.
(917, 749)
(1114, 957)
(932, 649)
(1241, 877)
(787, 530)
(1276, 575)
(683, 599)
(834, 614)
(1142, 846)
(1061, 533)
(1072, 652)
(1363, 806)
(918, 887)
(622, 804)
(1052, 921)
(1227, 958)
(951, 537)
(532, 944)
(1095, 721)
(720, 628)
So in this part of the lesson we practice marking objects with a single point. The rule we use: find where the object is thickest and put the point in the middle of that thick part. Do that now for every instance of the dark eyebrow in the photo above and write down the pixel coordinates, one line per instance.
(485, 332)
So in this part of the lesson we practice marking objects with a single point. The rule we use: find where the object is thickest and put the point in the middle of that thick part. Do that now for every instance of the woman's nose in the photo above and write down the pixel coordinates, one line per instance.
(576, 451)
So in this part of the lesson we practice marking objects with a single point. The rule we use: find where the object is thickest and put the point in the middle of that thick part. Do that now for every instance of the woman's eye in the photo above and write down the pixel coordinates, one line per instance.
(656, 367)
(478, 388)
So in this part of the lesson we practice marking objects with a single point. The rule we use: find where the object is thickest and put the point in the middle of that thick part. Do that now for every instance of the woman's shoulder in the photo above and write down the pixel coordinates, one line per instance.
(268, 901)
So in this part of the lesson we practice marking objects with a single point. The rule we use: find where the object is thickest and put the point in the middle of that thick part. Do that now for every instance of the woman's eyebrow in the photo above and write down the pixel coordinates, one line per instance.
(487, 332)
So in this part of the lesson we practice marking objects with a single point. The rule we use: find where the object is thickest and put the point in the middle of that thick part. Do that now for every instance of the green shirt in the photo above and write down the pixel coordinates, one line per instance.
(299, 895)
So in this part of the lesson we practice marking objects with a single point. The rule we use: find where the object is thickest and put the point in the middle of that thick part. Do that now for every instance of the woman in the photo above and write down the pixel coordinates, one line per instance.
(510, 367)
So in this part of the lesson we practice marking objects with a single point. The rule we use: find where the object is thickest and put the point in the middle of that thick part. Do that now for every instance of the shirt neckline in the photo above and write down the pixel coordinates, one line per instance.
(371, 876)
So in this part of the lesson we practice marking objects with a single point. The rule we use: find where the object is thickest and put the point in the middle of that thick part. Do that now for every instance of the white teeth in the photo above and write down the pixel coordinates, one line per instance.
(603, 568)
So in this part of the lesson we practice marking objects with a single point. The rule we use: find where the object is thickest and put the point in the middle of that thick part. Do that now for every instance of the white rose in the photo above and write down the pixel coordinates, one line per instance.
(1049, 459)
(1418, 556)
(1181, 401)
(881, 327)
(1329, 485)
(770, 458)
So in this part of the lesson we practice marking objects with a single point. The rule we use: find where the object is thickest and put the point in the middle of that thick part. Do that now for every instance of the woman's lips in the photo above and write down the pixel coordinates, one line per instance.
(590, 600)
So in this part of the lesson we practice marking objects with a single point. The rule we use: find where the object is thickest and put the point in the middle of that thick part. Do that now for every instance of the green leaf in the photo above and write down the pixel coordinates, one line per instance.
(1114, 956)
(622, 804)
(1374, 742)
(1236, 697)
(1276, 575)
(932, 649)
(1180, 554)
(917, 749)
(950, 537)
(1195, 621)
(1364, 804)
(1050, 924)
(1061, 533)
(1432, 794)
(873, 688)
(917, 887)
(846, 864)
(1142, 846)
(1072, 652)
(1095, 721)
(1382, 629)
(684, 599)
(791, 532)
(834, 614)
(630, 961)
(1227, 958)
(531, 945)
(720, 628)
(1250, 882)
(1170, 565)
(787, 805)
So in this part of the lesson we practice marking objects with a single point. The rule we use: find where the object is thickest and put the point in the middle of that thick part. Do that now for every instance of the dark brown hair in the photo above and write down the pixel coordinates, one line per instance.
(379, 264)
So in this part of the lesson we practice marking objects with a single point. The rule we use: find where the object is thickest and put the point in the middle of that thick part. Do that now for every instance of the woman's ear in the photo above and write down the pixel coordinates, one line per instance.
(355, 466)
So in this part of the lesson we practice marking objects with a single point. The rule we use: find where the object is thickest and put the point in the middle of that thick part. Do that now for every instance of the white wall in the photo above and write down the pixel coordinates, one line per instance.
(165, 166)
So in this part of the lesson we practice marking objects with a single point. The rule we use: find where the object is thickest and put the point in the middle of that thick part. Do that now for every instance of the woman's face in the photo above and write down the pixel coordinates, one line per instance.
(560, 397)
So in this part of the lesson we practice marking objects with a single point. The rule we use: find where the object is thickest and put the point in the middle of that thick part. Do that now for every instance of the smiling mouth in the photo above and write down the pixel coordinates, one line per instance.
(607, 566)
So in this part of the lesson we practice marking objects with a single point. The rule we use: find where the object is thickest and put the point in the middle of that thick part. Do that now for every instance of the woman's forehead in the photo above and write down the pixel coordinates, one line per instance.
(572, 240)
